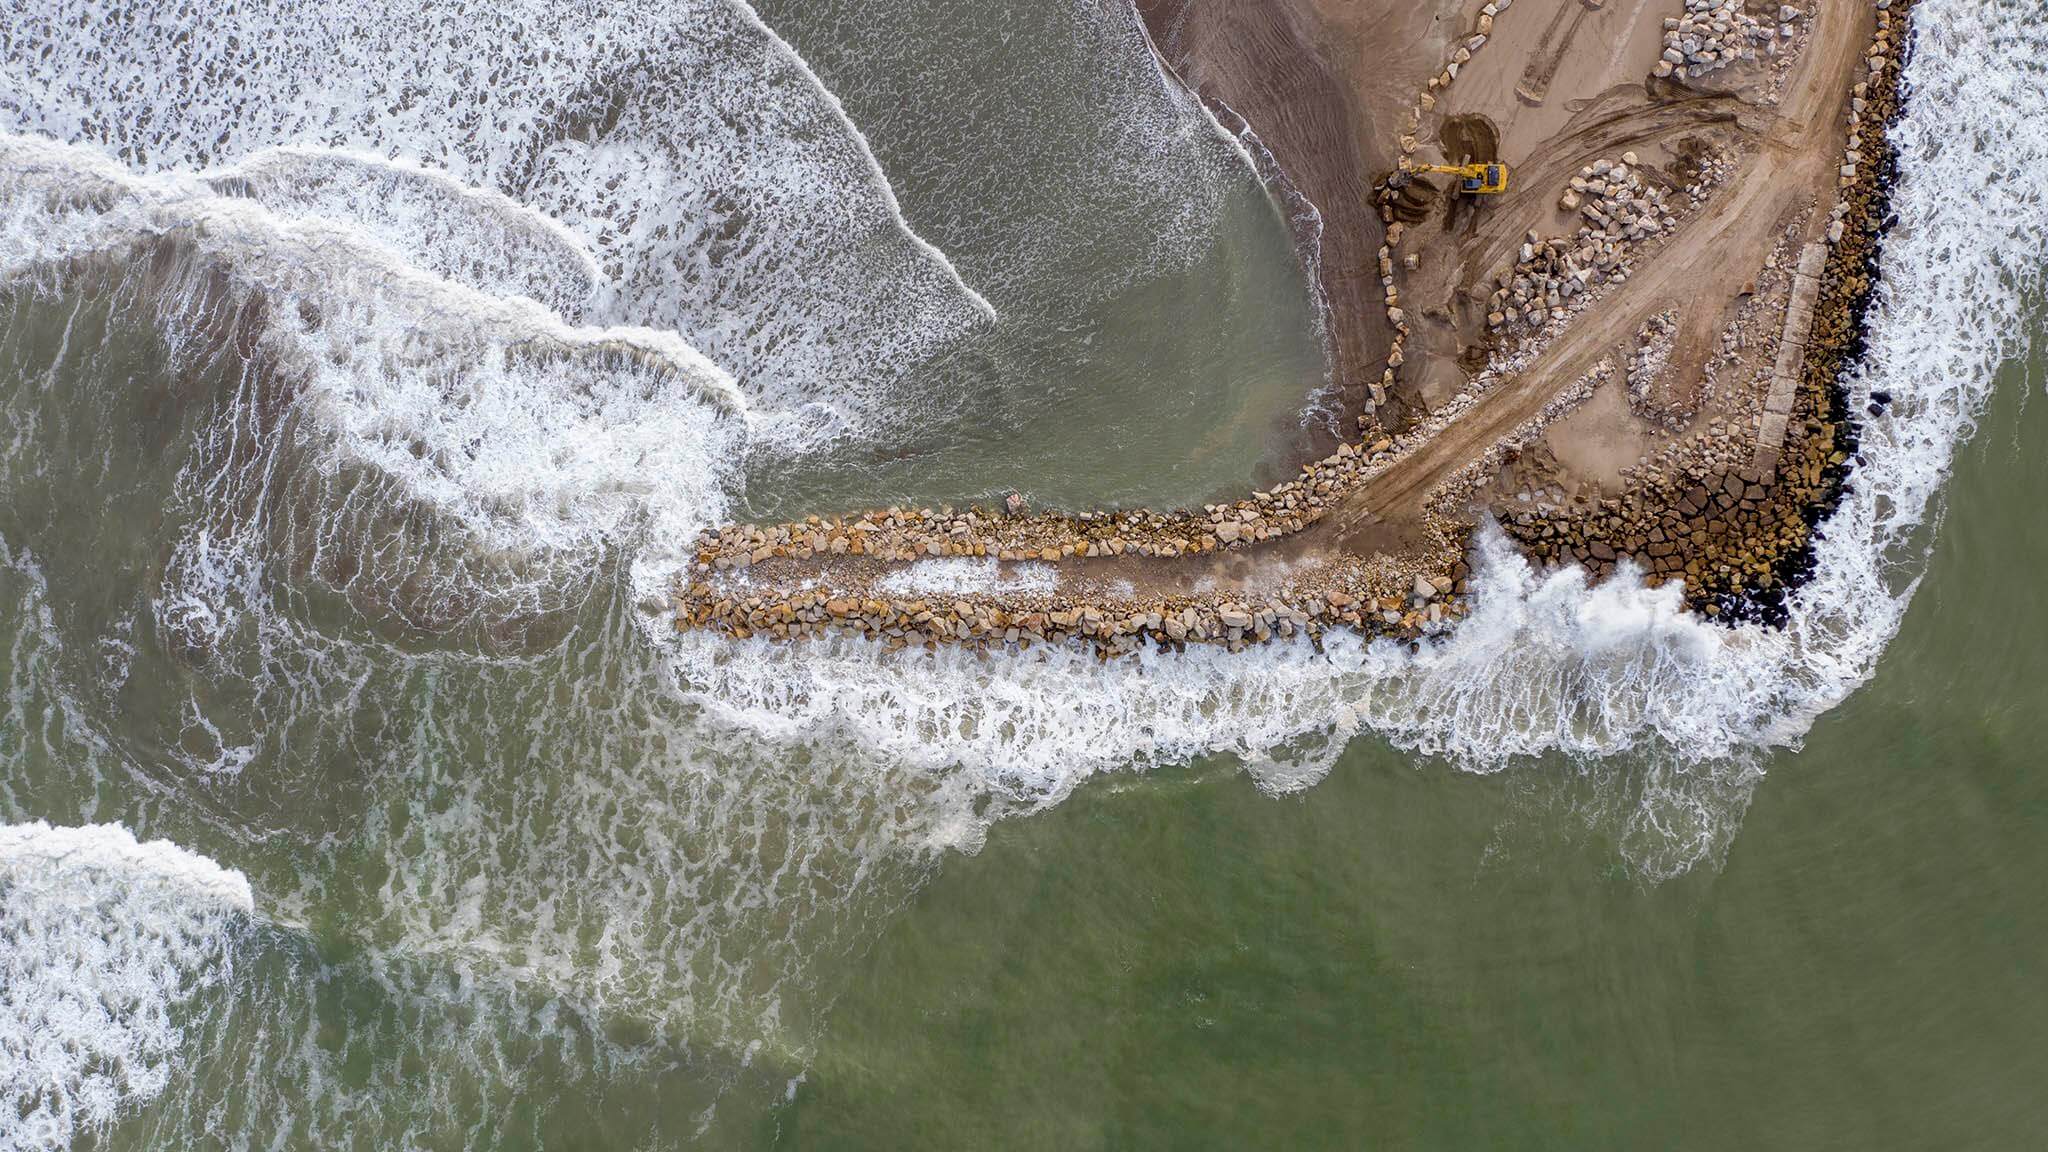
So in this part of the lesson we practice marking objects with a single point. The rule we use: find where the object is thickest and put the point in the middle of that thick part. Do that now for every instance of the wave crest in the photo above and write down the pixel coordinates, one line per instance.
(1548, 664)
(103, 941)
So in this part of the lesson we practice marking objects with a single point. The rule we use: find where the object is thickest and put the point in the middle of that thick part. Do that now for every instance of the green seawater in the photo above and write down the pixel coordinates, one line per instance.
(523, 878)
(1411, 957)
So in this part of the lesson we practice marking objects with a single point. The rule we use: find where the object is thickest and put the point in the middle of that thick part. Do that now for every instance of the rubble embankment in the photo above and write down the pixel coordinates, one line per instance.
(1734, 528)
(1088, 576)
(1739, 531)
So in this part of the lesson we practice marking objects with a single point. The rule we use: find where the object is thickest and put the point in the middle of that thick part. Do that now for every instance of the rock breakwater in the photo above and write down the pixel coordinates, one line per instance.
(1114, 626)
(1733, 524)
(1739, 537)
(1102, 591)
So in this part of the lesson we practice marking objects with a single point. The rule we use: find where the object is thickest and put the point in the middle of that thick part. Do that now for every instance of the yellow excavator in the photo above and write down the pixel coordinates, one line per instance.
(1487, 179)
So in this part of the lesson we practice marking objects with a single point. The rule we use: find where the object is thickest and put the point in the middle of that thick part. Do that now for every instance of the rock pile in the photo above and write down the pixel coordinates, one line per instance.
(1716, 33)
(1646, 365)
(1233, 621)
(1551, 273)
(1618, 204)
(1709, 173)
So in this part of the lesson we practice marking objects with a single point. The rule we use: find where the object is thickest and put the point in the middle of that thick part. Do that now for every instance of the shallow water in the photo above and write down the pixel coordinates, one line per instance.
(344, 450)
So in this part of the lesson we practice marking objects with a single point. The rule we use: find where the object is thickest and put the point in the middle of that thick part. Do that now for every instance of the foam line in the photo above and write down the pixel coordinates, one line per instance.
(956, 575)
(476, 236)
(283, 254)
(878, 179)
(1547, 664)
(103, 939)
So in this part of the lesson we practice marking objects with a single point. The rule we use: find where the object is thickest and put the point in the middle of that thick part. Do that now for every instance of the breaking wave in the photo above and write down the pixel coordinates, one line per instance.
(1547, 664)
(717, 184)
(470, 328)
(104, 942)
(477, 237)
(366, 383)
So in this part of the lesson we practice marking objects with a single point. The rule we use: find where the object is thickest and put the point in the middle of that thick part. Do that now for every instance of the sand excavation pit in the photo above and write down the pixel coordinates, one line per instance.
(1469, 139)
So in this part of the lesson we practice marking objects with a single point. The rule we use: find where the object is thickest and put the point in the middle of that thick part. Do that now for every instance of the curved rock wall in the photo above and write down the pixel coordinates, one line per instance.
(1740, 537)
(1736, 536)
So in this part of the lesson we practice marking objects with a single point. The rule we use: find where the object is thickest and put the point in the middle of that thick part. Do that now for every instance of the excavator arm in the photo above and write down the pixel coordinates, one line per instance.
(1488, 179)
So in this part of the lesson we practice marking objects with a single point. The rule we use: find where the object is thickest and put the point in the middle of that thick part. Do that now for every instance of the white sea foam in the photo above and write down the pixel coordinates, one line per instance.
(546, 874)
(1962, 272)
(103, 942)
(958, 576)
(1546, 663)
(683, 880)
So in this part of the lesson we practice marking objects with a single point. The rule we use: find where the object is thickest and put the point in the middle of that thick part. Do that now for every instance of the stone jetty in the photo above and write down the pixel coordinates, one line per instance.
(1729, 512)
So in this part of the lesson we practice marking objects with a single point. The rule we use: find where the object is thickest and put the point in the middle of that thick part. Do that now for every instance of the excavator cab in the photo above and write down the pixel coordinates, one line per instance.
(1487, 178)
